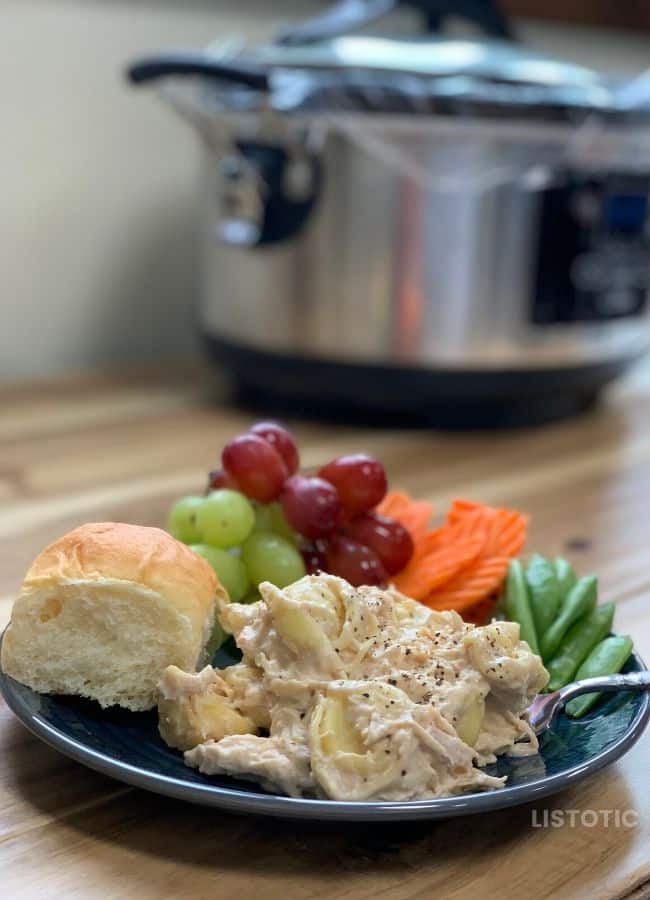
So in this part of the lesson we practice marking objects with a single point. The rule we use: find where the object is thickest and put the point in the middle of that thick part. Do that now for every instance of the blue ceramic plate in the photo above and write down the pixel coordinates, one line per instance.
(127, 746)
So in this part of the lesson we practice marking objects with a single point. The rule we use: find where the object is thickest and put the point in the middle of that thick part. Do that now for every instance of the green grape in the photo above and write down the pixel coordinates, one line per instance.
(270, 517)
(182, 519)
(269, 557)
(225, 518)
(262, 517)
(279, 523)
(231, 571)
(252, 596)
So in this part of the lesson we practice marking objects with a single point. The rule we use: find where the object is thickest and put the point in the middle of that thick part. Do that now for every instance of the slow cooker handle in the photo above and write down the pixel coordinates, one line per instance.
(349, 15)
(150, 68)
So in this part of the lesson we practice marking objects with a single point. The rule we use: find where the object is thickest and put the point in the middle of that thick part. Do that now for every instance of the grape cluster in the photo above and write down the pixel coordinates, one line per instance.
(262, 520)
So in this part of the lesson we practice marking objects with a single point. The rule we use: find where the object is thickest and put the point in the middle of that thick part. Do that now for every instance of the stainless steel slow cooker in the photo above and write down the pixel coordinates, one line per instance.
(455, 229)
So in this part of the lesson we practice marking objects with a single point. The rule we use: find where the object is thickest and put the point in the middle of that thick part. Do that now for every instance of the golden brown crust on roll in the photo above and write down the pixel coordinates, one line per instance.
(148, 556)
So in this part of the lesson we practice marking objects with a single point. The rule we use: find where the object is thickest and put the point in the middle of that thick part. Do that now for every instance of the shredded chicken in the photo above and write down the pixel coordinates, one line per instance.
(360, 693)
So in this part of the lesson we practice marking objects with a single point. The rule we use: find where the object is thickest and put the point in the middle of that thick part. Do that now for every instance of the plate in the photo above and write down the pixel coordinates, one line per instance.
(127, 746)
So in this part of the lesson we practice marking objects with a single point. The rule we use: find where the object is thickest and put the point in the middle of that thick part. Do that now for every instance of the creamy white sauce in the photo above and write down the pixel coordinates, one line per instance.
(366, 694)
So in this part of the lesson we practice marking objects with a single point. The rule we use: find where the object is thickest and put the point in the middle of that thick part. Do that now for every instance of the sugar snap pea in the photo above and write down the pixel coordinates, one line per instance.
(607, 658)
(580, 601)
(577, 644)
(543, 592)
(566, 576)
(517, 604)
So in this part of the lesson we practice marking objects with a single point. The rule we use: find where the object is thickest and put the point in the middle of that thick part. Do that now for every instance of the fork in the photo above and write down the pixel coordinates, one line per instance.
(542, 710)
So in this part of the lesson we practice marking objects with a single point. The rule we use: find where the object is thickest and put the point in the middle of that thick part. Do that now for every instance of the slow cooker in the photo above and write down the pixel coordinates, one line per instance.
(452, 229)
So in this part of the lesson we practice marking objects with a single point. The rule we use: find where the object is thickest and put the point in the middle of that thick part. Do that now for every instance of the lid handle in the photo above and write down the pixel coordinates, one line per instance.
(150, 68)
(350, 15)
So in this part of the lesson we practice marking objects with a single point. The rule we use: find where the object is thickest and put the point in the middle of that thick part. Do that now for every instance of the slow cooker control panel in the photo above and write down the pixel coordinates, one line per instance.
(593, 260)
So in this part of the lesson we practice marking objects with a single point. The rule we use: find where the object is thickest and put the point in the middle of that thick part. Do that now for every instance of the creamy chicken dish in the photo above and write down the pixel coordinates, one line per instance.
(355, 694)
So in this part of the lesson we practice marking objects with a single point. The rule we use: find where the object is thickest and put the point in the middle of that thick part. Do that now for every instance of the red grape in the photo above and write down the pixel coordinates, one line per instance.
(359, 479)
(388, 538)
(355, 562)
(217, 478)
(254, 467)
(311, 506)
(281, 440)
(314, 560)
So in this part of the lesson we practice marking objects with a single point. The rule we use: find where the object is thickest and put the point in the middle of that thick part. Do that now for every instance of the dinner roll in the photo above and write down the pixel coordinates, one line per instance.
(105, 609)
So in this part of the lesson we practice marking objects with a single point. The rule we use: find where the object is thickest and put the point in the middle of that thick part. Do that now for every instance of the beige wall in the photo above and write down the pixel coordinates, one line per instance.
(98, 182)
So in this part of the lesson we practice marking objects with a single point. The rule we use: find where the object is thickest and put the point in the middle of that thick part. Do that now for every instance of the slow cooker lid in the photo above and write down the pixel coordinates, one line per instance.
(430, 56)
(430, 75)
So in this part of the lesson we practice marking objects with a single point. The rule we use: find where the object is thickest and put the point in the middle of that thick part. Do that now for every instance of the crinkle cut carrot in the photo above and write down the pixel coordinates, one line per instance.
(511, 535)
(414, 515)
(439, 555)
(426, 573)
(449, 535)
(393, 503)
(470, 587)
(416, 521)
(461, 507)
(506, 528)
(461, 564)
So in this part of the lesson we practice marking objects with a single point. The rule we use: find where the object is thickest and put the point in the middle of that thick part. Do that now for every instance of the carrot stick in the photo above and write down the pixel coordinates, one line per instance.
(414, 515)
(469, 587)
(460, 564)
(425, 574)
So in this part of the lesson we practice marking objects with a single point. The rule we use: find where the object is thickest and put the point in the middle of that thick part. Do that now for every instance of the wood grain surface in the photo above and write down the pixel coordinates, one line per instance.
(121, 448)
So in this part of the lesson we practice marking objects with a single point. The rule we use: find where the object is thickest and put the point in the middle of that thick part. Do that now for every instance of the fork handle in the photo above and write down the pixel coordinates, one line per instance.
(630, 681)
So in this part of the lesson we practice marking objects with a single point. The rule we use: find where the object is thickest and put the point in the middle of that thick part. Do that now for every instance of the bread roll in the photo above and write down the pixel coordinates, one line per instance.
(105, 609)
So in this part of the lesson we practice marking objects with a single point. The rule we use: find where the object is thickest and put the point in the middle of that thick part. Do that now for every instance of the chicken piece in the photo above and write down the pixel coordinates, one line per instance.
(196, 707)
(503, 732)
(276, 763)
(248, 692)
(514, 673)
(234, 617)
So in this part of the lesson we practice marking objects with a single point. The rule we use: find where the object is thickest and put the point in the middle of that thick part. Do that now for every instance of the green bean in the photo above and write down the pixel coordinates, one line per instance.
(577, 644)
(518, 606)
(580, 601)
(543, 591)
(566, 576)
(607, 658)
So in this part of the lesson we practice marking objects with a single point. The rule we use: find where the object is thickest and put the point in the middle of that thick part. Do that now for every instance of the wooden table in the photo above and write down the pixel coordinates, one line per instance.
(121, 448)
